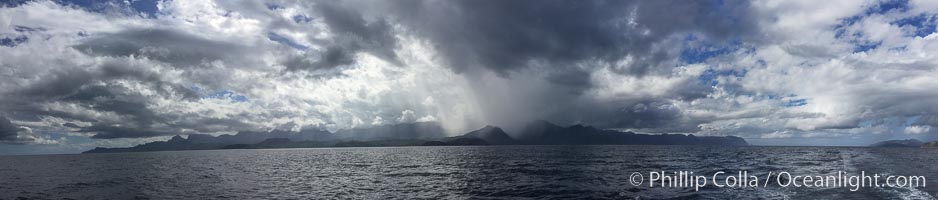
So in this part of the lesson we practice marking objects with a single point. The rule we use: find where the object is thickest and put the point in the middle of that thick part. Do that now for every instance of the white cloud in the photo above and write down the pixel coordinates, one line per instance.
(777, 134)
(915, 130)
(428, 118)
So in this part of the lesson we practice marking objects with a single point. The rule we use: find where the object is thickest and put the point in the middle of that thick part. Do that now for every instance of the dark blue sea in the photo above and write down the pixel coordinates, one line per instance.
(485, 172)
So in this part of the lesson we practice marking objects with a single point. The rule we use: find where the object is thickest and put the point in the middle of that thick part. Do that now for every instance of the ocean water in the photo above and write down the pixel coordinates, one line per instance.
(487, 172)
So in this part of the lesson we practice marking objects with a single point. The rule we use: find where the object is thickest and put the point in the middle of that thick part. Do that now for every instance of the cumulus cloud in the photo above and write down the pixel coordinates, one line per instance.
(176, 48)
(135, 72)
(917, 129)
(12, 134)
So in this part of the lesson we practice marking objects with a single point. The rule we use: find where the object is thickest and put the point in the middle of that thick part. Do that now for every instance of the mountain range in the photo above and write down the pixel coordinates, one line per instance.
(423, 134)
(905, 143)
(899, 143)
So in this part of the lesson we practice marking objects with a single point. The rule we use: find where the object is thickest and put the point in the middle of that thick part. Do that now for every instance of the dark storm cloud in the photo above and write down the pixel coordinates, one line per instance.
(930, 120)
(332, 57)
(646, 114)
(174, 47)
(566, 41)
(509, 35)
(353, 34)
(71, 125)
(12, 134)
(87, 84)
(8, 131)
(174, 126)
(655, 114)
(375, 36)
(110, 132)
(96, 89)
(573, 80)
(99, 89)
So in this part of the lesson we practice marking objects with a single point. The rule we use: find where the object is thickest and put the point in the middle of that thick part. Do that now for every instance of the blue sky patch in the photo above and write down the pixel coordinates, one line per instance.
(13, 41)
(271, 6)
(285, 41)
(796, 103)
(888, 6)
(922, 25)
(12, 3)
(865, 46)
(227, 94)
(709, 77)
(697, 51)
(146, 7)
(219, 94)
(840, 30)
(302, 19)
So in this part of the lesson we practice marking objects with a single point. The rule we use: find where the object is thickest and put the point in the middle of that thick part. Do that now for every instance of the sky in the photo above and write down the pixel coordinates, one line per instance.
(80, 74)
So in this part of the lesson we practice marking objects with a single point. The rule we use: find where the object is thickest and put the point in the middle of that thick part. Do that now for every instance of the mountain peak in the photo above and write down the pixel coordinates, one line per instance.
(491, 134)
(176, 138)
(899, 143)
(579, 126)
